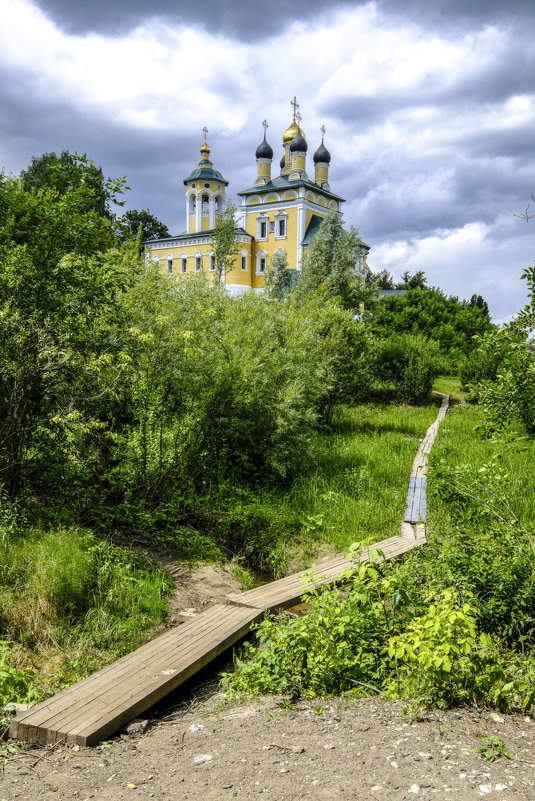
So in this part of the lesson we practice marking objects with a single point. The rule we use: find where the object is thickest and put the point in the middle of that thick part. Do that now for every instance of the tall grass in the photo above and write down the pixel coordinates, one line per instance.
(70, 603)
(459, 442)
(357, 488)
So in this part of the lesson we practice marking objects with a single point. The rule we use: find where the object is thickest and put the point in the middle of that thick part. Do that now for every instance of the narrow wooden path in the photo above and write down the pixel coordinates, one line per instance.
(98, 706)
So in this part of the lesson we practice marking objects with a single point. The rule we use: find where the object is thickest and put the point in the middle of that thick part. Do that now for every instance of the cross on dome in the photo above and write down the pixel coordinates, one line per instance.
(295, 105)
(205, 132)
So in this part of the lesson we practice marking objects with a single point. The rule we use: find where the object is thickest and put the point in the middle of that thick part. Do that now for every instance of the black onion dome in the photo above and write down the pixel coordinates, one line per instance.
(322, 154)
(264, 150)
(298, 144)
(283, 161)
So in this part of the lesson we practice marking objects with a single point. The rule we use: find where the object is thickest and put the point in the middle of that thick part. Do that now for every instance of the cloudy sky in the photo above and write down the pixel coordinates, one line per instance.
(429, 107)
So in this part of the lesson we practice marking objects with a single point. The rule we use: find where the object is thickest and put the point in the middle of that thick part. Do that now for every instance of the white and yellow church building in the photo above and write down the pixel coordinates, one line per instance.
(279, 212)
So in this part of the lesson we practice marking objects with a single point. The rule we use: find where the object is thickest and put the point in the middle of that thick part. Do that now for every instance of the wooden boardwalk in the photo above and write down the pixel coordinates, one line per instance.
(416, 506)
(100, 705)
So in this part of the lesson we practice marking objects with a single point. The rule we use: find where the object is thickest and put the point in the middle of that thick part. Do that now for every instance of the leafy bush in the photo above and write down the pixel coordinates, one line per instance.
(408, 364)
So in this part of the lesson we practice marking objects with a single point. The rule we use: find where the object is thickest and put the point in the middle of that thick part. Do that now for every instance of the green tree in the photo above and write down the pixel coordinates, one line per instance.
(132, 220)
(429, 313)
(58, 306)
(226, 246)
(409, 281)
(280, 280)
(70, 171)
(335, 264)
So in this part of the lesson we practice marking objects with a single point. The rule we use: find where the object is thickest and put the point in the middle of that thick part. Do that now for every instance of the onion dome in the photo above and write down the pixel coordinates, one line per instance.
(283, 161)
(322, 154)
(298, 143)
(290, 133)
(205, 148)
(264, 150)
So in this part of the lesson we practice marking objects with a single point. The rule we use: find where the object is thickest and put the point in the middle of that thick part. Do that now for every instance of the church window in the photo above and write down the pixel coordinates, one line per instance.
(212, 263)
(169, 266)
(261, 262)
(198, 264)
(244, 262)
(192, 204)
(183, 265)
(205, 201)
(262, 229)
(281, 227)
(207, 186)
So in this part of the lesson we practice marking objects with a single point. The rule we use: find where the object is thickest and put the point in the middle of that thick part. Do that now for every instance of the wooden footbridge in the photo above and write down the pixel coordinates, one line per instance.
(100, 705)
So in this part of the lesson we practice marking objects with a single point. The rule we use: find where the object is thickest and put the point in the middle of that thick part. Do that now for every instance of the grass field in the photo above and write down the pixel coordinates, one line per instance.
(357, 489)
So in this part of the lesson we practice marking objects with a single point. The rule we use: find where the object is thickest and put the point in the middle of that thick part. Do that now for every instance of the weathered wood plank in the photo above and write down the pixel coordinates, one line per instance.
(89, 712)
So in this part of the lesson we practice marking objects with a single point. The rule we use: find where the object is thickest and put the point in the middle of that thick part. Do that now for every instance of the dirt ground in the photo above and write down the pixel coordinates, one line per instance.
(195, 747)
(361, 750)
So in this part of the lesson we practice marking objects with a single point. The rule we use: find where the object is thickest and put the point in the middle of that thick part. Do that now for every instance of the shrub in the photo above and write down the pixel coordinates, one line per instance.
(408, 363)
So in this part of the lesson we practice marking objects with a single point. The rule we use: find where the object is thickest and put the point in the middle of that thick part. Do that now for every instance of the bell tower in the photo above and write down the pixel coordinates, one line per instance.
(205, 193)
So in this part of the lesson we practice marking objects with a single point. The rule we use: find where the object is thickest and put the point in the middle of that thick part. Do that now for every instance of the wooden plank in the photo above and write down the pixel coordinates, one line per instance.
(89, 713)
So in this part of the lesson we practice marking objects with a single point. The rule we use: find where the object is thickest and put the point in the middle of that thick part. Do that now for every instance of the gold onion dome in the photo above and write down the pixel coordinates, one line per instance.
(205, 147)
(291, 132)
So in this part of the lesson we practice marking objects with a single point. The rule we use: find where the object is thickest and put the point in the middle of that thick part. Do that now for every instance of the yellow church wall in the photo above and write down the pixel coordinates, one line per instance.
(235, 276)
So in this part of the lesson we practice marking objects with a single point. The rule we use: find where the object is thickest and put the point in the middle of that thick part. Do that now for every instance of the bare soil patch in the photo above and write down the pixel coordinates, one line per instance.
(315, 750)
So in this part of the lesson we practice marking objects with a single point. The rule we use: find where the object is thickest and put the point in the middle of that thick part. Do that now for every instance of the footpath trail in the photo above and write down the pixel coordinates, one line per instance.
(97, 707)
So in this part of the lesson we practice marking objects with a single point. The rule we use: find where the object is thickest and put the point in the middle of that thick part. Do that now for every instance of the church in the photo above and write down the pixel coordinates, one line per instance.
(281, 211)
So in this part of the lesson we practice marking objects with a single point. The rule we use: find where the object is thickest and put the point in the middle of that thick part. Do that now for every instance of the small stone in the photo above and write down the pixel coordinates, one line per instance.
(496, 718)
(500, 787)
(227, 786)
(414, 788)
(329, 746)
(137, 726)
(199, 759)
(195, 727)
(484, 788)
(377, 787)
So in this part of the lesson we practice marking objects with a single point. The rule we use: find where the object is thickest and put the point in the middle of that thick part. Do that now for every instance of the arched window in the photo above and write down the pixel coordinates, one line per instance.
(198, 262)
(192, 204)
(205, 201)
(261, 261)
(169, 265)
(244, 256)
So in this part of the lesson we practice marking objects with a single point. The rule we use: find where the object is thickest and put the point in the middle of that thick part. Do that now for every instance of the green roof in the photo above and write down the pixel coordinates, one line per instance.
(163, 239)
(205, 174)
(312, 228)
(282, 182)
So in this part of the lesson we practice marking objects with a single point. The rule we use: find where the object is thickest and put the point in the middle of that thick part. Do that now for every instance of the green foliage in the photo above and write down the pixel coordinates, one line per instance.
(441, 660)
(493, 748)
(428, 313)
(16, 685)
(407, 364)
(70, 173)
(66, 594)
(279, 280)
(132, 220)
(501, 374)
(334, 648)
(335, 264)
(226, 246)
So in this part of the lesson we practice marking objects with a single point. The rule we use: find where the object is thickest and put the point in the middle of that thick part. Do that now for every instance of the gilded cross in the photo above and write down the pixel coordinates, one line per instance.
(295, 105)
(205, 132)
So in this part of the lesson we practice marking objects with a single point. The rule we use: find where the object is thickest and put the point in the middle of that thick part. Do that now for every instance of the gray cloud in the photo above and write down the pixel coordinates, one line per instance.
(242, 20)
